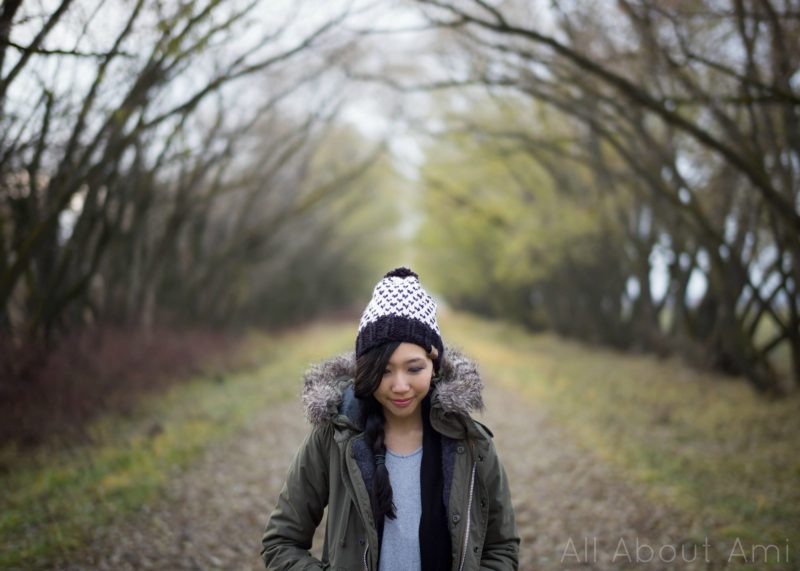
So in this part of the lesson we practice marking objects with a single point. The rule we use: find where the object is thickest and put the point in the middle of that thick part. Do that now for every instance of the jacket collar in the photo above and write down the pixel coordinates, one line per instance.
(328, 395)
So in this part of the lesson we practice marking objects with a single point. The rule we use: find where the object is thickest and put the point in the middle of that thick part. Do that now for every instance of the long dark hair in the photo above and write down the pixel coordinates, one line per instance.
(435, 544)
(369, 373)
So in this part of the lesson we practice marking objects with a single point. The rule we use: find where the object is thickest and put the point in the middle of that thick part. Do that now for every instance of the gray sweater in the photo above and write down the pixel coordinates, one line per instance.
(400, 544)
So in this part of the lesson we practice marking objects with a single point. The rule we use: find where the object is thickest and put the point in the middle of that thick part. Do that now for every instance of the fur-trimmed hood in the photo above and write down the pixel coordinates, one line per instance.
(328, 388)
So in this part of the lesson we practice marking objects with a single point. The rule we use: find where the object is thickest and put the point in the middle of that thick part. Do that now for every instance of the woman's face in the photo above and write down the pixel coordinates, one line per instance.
(405, 382)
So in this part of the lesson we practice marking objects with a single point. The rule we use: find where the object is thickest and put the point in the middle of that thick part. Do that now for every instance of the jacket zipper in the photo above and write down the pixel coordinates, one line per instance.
(352, 491)
(467, 515)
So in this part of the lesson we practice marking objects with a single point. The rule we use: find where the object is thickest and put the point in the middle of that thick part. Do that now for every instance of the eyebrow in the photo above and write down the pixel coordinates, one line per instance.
(413, 360)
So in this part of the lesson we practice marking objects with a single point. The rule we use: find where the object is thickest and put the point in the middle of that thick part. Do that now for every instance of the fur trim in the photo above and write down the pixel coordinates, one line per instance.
(458, 388)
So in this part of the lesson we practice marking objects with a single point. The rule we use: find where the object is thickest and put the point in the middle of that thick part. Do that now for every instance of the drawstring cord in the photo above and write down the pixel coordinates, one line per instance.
(343, 537)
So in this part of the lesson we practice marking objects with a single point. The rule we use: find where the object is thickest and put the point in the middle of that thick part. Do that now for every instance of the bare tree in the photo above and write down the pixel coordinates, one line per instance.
(695, 109)
(122, 127)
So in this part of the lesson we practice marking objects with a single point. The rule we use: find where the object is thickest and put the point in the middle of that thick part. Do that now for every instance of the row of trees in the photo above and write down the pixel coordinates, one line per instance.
(175, 160)
(625, 173)
(634, 173)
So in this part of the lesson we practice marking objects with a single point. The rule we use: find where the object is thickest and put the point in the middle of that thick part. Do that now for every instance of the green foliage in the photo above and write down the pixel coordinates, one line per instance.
(322, 261)
(498, 224)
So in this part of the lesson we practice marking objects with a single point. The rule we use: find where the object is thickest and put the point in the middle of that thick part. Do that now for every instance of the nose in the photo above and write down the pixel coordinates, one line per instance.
(400, 384)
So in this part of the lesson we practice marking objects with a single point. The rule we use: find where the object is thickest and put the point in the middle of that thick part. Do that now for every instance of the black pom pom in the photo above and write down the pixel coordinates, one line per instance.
(401, 272)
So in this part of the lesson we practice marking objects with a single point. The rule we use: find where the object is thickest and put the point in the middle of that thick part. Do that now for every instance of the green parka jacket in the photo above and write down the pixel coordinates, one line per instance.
(334, 467)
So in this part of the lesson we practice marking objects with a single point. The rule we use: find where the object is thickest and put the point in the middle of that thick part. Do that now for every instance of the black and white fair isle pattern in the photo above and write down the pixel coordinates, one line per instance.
(401, 297)
(400, 310)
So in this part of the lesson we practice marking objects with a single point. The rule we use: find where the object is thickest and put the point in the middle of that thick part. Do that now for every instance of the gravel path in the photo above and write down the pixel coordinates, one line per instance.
(211, 516)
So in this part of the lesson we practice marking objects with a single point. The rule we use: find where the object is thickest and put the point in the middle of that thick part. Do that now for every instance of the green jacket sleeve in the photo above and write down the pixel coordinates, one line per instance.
(301, 503)
(501, 545)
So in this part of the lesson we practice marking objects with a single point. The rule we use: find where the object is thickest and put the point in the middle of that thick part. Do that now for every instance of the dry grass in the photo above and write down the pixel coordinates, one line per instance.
(707, 445)
(54, 497)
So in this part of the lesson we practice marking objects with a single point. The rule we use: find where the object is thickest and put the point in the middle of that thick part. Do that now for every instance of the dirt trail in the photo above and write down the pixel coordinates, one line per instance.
(212, 515)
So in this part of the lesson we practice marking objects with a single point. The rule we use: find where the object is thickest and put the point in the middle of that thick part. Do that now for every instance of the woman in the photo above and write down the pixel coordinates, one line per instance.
(411, 481)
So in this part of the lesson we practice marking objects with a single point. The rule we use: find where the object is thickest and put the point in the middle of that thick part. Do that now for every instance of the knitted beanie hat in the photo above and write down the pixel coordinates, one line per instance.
(400, 310)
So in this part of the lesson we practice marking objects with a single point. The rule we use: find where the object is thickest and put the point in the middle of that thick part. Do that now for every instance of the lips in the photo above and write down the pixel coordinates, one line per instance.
(402, 403)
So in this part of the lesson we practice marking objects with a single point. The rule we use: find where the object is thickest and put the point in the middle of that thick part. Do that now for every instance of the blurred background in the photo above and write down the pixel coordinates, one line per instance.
(197, 196)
